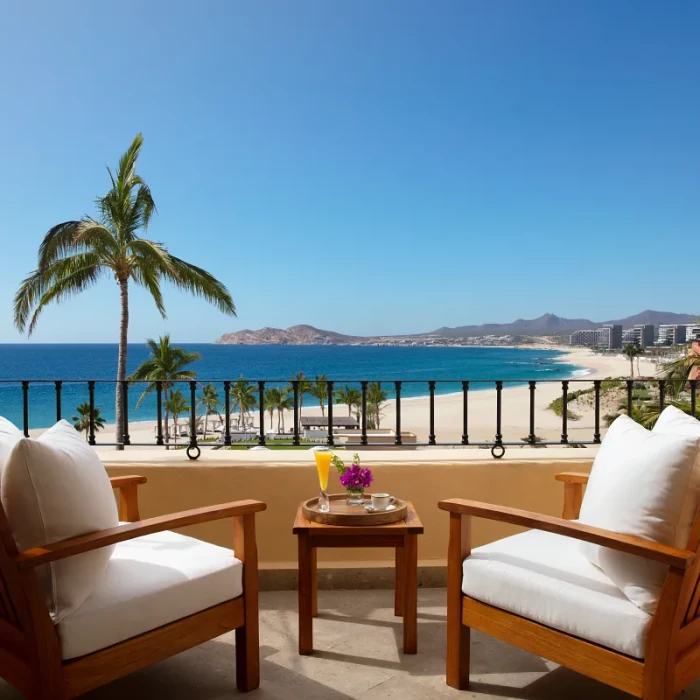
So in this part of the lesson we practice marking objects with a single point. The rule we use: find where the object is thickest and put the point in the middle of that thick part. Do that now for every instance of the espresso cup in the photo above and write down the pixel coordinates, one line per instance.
(381, 501)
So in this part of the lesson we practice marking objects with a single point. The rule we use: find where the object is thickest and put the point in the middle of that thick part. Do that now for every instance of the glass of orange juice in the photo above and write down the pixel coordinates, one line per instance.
(323, 467)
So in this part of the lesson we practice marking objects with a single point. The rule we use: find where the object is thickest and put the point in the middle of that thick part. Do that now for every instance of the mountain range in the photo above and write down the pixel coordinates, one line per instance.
(550, 324)
(546, 325)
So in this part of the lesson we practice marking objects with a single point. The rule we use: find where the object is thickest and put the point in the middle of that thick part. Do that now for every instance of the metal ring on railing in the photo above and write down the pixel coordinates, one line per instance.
(498, 447)
(190, 454)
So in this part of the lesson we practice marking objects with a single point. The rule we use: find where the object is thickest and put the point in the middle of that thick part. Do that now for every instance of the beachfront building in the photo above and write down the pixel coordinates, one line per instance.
(643, 335)
(692, 332)
(670, 334)
(610, 336)
(607, 337)
(589, 338)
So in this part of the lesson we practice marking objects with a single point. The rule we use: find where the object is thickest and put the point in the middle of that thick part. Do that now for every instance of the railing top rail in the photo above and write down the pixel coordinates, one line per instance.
(337, 381)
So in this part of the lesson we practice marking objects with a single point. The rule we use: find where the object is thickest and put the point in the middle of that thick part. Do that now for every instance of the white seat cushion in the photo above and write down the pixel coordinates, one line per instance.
(545, 578)
(149, 582)
(10, 435)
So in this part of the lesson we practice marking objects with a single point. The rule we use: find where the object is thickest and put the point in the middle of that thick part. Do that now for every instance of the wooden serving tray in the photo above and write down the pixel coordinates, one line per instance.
(352, 516)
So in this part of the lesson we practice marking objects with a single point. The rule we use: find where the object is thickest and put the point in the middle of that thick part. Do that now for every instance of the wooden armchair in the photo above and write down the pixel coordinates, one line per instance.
(32, 653)
(670, 656)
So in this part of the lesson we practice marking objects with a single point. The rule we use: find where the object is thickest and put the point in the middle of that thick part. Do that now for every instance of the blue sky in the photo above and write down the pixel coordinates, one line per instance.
(368, 166)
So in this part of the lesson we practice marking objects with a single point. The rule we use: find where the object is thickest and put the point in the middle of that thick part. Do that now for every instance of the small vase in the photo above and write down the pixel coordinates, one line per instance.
(355, 497)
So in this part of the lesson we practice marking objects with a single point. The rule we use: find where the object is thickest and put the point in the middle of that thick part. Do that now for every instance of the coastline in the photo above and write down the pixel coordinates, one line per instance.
(415, 410)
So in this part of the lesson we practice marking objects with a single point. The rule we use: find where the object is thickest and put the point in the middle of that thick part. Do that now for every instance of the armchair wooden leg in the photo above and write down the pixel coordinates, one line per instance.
(248, 636)
(458, 636)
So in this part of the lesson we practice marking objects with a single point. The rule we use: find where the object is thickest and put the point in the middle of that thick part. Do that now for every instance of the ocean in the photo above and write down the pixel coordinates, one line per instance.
(341, 363)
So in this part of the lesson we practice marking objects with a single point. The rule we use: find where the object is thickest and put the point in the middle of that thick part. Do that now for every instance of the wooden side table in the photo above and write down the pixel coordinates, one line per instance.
(402, 536)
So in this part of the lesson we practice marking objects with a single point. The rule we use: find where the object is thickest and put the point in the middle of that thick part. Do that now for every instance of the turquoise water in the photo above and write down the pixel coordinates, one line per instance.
(344, 364)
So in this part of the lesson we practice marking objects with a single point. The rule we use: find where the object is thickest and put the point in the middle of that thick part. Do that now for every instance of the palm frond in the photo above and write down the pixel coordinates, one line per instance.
(200, 283)
(60, 280)
(59, 241)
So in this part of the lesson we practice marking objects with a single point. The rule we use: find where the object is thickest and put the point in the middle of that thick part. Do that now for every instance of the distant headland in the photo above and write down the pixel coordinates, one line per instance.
(549, 329)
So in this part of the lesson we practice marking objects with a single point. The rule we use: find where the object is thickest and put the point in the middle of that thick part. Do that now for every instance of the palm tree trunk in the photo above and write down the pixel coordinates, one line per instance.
(206, 423)
(323, 407)
(631, 366)
(167, 432)
(121, 361)
(279, 418)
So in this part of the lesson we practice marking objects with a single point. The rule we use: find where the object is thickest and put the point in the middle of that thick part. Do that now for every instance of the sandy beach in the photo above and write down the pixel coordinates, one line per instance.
(482, 408)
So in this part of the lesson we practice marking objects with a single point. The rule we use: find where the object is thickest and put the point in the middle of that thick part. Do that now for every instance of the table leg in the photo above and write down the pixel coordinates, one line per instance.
(314, 583)
(399, 581)
(306, 622)
(410, 601)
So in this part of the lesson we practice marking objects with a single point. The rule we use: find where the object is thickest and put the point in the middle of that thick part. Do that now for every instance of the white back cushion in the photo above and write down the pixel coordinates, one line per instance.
(673, 421)
(53, 488)
(637, 487)
(9, 436)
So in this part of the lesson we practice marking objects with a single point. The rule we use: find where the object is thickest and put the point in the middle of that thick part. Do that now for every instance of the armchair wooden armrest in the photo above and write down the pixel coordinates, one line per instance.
(128, 495)
(573, 492)
(103, 538)
(674, 557)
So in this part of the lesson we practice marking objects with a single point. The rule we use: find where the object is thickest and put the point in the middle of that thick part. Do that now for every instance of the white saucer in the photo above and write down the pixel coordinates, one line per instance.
(372, 509)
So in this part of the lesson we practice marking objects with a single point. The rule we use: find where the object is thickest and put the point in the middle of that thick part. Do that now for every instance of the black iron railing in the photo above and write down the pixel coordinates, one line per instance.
(667, 391)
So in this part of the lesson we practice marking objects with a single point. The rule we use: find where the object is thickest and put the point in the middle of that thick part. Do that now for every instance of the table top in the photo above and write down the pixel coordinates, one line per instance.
(410, 526)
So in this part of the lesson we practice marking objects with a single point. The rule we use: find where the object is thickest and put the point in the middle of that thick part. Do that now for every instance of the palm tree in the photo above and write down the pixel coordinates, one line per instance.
(304, 386)
(279, 400)
(631, 351)
(376, 398)
(74, 255)
(319, 390)
(166, 364)
(209, 400)
(82, 420)
(350, 397)
(679, 372)
(244, 398)
(176, 403)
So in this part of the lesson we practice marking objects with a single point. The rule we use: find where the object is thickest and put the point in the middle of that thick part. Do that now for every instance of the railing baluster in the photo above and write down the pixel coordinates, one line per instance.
(25, 407)
(565, 412)
(227, 413)
(630, 386)
(295, 387)
(499, 390)
(193, 413)
(59, 385)
(399, 439)
(91, 391)
(331, 439)
(363, 439)
(431, 389)
(261, 404)
(465, 413)
(159, 408)
(532, 438)
(126, 438)
(693, 396)
(596, 429)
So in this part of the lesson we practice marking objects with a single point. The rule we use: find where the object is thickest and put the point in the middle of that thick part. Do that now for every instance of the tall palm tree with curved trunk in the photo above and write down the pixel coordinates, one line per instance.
(74, 255)
(244, 399)
(630, 351)
(376, 398)
(166, 364)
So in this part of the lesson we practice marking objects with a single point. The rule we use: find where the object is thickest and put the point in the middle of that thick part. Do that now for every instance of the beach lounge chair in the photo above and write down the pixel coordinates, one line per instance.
(611, 589)
(137, 594)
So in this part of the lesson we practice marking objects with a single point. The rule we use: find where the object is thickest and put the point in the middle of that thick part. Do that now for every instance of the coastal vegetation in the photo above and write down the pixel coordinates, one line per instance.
(81, 422)
(167, 364)
(243, 399)
(351, 397)
(630, 351)
(210, 402)
(75, 255)
(319, 390)
(176, 403)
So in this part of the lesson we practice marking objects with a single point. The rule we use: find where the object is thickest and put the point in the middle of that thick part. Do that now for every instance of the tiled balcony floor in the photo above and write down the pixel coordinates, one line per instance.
(358, 641)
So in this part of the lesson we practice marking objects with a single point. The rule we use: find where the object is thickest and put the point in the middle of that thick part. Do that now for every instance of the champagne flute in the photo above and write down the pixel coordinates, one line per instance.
(323, 467)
